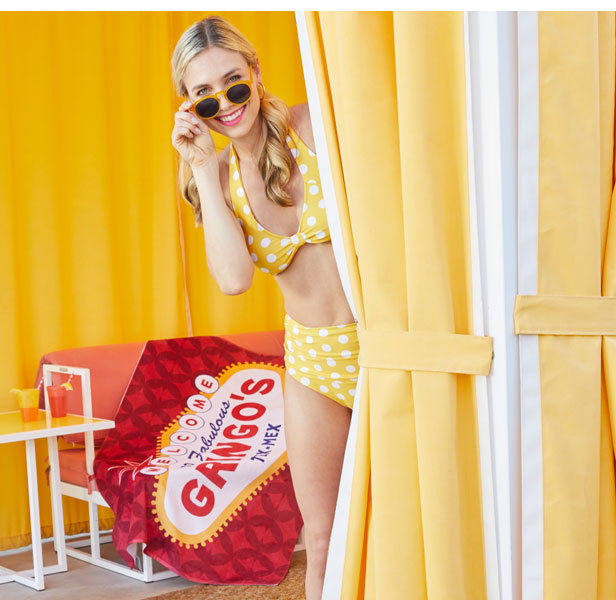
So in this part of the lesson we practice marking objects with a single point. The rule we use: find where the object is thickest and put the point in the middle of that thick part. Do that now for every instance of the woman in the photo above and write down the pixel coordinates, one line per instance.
(260, 203)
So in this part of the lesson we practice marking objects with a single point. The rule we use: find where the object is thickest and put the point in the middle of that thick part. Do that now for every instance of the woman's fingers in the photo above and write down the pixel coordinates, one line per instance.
(191, 137)
(184, 112)
(179, 133)
(182, 126)
(187, 120)
(182, 115)
(186, 131)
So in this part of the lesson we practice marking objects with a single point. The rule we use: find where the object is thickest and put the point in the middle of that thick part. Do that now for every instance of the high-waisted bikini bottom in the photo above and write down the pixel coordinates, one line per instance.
(323, 358)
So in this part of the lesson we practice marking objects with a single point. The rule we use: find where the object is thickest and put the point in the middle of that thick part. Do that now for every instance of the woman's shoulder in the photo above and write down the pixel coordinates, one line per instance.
(301, 124)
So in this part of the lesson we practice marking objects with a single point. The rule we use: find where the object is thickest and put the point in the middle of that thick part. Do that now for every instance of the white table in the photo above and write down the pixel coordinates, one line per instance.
(13, 429)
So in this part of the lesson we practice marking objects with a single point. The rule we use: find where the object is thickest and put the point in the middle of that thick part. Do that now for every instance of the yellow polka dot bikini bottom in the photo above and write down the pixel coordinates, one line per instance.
(323, 358)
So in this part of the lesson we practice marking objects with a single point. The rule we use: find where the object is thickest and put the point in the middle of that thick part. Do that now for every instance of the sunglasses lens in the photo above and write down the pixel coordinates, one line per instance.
(238, 94)
(207, 108)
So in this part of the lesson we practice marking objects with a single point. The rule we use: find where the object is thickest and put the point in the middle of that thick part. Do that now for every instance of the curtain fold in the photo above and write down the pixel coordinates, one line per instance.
(392, 91)
(576, 117)
(91, 222)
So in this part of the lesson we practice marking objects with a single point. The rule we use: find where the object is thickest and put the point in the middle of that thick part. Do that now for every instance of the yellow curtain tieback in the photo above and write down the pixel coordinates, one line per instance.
(565, 315)
(425, 351)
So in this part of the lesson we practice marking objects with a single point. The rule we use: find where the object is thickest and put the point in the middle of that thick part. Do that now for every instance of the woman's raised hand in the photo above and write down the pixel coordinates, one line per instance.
(192, 138)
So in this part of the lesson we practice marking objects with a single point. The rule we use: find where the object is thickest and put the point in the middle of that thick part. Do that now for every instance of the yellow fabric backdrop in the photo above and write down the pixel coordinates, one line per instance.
(90, 238)
(576, 257)
(392, 88)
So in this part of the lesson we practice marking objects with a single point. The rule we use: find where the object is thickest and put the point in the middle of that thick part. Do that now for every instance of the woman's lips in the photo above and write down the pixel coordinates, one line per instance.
(236, 120)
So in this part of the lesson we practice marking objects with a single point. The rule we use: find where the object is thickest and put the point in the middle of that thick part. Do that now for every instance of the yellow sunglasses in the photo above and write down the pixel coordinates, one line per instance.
(238, 92)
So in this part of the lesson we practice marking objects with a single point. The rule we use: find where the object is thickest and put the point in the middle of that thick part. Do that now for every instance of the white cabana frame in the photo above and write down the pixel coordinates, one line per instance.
(531, 576)
(492, 78)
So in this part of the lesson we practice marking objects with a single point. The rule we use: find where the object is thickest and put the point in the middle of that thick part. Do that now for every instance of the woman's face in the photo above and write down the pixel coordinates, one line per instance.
(214, 69)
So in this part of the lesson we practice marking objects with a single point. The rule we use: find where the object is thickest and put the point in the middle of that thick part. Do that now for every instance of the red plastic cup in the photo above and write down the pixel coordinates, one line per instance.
(57, 400)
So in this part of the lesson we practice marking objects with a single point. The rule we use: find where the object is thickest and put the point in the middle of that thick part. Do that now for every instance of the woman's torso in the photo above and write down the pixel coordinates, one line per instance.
(309, 281)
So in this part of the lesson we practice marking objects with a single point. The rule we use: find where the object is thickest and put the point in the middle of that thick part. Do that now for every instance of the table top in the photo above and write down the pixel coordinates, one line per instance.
(13, 429)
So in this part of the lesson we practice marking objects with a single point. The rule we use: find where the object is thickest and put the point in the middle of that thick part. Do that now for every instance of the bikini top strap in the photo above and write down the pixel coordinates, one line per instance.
(238, 194)
(305, 158)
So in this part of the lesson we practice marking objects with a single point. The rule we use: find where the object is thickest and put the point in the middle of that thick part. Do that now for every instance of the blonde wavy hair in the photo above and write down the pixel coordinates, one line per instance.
(274, 163)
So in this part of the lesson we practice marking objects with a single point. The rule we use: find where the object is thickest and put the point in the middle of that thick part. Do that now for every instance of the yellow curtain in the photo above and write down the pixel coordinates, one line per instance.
(576, 257)
(392, 90)
(96, 246)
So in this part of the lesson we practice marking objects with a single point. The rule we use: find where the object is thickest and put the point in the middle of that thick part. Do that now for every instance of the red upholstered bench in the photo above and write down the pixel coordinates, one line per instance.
(110, 370)
(112, 366)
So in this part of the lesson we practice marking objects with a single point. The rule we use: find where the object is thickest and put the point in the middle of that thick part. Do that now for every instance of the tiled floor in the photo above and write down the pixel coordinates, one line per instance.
(82, 581)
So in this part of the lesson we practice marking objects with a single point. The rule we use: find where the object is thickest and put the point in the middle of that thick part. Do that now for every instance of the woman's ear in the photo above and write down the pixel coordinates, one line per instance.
(257, 70)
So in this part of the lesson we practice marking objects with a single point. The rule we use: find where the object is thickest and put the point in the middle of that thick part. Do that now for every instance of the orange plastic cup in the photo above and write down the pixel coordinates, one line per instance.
(28, 400)
(57, 400)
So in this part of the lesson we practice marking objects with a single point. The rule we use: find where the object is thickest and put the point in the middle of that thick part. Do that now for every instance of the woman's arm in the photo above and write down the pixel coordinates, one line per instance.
(227, 255)
(225, 247)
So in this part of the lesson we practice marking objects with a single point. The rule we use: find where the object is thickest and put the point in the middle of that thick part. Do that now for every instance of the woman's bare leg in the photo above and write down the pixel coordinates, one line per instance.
(316, 430)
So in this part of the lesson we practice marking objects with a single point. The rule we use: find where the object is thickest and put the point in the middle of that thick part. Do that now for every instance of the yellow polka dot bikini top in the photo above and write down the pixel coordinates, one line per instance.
(271, 252)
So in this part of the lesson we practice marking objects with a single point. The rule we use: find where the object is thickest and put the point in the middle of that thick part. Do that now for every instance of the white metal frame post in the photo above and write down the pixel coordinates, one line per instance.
(481, 384)
(93, 497)
(35, 520)
(33, 578)
(492, 78)
(531, 448)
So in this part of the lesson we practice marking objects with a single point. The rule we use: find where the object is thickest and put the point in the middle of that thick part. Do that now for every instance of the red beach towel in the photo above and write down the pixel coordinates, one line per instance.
(196, 466)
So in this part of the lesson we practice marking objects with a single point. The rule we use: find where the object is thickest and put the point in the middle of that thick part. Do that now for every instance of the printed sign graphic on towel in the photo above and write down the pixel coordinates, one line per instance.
(225, 445)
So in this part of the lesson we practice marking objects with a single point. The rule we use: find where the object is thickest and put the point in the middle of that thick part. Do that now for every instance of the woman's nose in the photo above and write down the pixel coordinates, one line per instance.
(224, 103)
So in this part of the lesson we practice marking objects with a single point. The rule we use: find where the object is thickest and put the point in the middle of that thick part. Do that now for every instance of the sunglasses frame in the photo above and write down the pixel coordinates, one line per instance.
(224, 93)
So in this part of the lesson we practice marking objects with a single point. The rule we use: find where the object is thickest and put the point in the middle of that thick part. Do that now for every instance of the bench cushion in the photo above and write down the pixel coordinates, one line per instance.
(73, 467)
